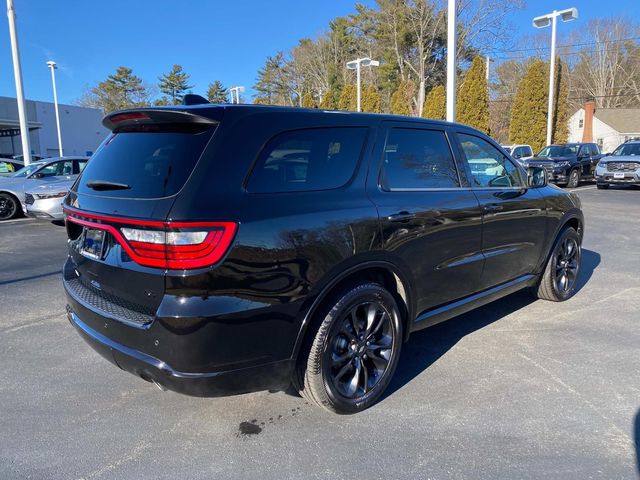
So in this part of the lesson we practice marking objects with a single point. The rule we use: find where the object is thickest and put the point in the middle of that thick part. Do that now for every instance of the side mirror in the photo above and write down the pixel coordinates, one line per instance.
(537, 177)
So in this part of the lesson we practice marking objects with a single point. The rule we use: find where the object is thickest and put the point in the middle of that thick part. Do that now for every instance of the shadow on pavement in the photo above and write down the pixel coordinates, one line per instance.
(426, 346)
(590, 261)
(32, 277)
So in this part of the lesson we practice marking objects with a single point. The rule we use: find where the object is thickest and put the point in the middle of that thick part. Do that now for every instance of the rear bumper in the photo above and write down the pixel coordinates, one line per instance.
(274, 375)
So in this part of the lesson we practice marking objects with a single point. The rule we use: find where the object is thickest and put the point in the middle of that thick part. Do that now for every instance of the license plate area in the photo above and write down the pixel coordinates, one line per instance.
(92, 245)
(618, 175)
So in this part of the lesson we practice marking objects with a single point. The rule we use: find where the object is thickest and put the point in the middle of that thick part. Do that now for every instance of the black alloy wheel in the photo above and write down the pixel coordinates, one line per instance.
(566, 265)
(354, 350)
(560, 277)
(360, 349)
(8, 206)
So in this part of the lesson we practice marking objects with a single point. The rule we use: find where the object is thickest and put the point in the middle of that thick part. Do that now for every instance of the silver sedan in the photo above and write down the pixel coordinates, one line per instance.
(45, 201)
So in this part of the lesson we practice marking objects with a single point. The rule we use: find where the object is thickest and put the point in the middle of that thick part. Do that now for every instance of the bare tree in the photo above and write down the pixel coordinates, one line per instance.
(608, 66)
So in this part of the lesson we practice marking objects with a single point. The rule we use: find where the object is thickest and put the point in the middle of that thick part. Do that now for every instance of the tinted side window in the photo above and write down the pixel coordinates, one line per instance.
(80, 164)
(594, 149)
(57, 169)
(489, 167)
(310, 159)
(417, 159)
(527, 152)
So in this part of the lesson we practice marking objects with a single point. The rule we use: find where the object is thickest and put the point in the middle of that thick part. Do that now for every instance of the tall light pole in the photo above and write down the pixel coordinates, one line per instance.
(17, 73)
(237, 91)
(52, 65)
(355, 65)
(542, 22)
(451, 61)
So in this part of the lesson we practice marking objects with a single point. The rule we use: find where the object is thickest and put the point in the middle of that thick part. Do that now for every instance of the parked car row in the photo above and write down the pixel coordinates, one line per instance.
(568, 164)
(38, 188)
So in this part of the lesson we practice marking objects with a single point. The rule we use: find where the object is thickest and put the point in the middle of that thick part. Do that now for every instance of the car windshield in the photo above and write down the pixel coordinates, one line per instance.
(558, 151)
(28, 170)
(630, 149)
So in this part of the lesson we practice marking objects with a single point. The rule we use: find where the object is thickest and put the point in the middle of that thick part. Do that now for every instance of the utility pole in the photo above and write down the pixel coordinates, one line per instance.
(355, 65)
(451, 61)
(52, 65)
(17, 73)
(541, 22)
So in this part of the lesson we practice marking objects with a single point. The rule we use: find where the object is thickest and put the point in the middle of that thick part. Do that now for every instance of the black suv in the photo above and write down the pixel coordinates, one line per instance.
(226, 249)
(568, 164)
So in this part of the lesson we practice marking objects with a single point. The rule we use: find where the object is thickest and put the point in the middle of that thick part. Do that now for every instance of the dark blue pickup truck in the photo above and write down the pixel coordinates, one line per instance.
(568, 164)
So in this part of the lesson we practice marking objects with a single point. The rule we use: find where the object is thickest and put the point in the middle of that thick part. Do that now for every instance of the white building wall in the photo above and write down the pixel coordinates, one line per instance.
(82, 130)
(603, 134)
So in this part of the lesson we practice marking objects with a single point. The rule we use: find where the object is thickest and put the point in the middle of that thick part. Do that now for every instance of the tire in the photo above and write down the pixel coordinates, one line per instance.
(563, 264)
(357, 342)
(574, 179)
(9, 207)
(602, 186)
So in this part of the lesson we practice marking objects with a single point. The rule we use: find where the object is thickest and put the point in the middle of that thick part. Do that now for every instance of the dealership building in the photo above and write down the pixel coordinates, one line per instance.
(81, 128)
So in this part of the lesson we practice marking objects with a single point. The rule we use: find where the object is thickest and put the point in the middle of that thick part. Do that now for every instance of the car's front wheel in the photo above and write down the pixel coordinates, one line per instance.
(574, 179)
(354, 352)
(559, 279)
(9, 207)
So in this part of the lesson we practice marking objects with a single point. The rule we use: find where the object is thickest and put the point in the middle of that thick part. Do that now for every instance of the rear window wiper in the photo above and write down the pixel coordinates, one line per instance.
(106, 185)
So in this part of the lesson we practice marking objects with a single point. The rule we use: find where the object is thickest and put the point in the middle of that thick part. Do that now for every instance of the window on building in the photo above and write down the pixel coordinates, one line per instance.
(581, 123)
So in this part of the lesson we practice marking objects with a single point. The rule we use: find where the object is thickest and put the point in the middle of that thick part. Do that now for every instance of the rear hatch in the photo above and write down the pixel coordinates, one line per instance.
(122, 243)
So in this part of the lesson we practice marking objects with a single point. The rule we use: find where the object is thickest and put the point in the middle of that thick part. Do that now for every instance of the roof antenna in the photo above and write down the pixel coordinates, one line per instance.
(193, 99)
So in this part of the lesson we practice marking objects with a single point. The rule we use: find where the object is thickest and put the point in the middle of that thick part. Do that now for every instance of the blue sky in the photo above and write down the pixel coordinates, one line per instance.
(211, 39)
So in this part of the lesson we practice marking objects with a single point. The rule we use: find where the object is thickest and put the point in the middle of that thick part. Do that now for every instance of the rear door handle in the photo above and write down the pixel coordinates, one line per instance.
(493, 208)
(403, 216)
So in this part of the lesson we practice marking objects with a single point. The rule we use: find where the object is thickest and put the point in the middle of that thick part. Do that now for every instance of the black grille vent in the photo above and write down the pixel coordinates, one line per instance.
(107, 304)
(28, 199)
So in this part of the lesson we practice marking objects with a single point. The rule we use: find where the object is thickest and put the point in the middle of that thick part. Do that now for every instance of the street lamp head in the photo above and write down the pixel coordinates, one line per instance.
(565, 15)
(364, 62)
(568, 14)
(52, 64)
(542, 21)
(352, 65)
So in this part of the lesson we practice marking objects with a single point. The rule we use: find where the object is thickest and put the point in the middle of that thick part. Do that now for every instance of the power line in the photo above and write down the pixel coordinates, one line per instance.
(581, 97)
(566, 54)
(620, 40)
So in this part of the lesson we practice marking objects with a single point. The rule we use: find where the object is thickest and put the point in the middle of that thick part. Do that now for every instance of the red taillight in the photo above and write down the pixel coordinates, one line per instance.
(121, 117)
(172, 245)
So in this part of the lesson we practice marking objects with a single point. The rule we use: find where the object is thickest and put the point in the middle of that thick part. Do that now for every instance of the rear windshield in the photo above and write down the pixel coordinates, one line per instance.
(147, 164)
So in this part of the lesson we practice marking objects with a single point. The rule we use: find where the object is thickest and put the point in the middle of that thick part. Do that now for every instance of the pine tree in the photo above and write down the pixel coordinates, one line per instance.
(217, 93)
(308, 101)
(348, 98)
(119, 91)
(328, 101)
(370, 100)
(473, 98)
(435, 104)
(529, 111)
(561, 107)
(402, 98)
(530, 107)
(175, 84)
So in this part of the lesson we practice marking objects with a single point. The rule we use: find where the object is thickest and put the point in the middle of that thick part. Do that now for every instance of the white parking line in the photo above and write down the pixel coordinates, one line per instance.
(17, 220)
(583, 188)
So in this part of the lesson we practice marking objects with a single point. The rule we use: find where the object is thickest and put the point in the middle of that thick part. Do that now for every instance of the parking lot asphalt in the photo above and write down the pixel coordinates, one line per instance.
(518, 389)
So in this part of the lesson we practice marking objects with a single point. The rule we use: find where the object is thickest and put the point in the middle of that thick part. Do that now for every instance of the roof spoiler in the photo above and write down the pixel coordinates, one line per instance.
(149, 119)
